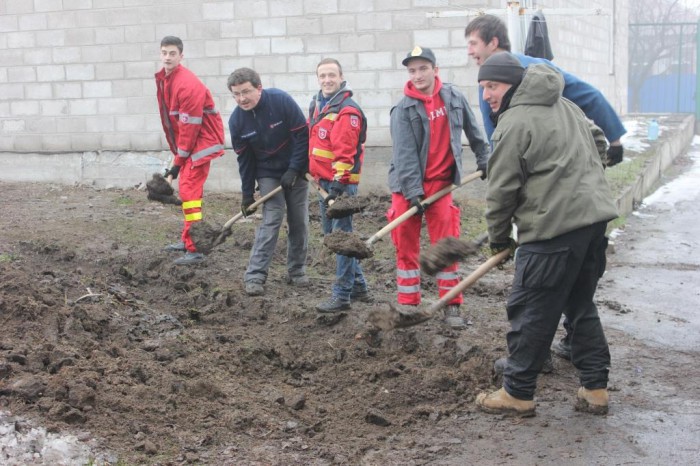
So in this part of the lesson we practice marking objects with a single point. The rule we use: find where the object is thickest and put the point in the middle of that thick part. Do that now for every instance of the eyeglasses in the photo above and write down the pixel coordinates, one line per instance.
(243, 93)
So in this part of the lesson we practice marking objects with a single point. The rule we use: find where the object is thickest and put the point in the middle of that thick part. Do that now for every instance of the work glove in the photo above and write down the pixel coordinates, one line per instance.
(245, 206)
(173, 171)
(288, 179)
(416, 202)
(336, 190)
(482, 166)
(614, 156)
(510, 245)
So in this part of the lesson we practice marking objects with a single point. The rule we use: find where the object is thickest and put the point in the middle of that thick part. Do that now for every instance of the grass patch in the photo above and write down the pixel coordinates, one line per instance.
(6, 257)
(124, 201)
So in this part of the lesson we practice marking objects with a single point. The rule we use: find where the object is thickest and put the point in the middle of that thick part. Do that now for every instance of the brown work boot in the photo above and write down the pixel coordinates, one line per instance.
(501, 402)
(592, 401)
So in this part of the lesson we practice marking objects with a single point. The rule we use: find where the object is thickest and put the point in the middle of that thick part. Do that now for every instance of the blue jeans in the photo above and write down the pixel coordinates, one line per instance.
(296, 203)
(348, 273)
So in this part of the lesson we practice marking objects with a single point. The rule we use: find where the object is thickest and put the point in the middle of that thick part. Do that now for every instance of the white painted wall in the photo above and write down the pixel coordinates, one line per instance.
(76, 76)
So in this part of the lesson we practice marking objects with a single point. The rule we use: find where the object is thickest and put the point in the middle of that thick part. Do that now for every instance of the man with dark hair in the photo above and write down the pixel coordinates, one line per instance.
(487, 35)
(545, 175)
(270, 135)
(426, 131)
(195, 133)
(338, 129)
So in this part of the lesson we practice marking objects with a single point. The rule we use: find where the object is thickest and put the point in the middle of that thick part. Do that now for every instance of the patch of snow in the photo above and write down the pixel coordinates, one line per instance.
(684, 188)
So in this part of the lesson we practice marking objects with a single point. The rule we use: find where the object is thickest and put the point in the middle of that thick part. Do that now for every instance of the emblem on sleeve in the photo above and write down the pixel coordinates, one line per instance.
(354, 121)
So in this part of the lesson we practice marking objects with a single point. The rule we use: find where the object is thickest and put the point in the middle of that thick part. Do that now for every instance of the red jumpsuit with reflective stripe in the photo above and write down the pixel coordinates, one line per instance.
(195, 133)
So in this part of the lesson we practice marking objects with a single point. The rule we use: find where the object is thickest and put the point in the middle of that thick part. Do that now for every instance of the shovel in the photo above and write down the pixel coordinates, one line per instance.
(206, 238)
(391, 318)
(347, 244)
(339, 207)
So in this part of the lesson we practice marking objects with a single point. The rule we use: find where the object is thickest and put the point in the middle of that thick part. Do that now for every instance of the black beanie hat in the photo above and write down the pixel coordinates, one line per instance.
(502, 67)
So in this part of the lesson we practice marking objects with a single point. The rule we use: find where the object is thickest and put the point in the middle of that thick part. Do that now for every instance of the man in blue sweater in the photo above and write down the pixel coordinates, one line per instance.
(271, 138)
(487, 35)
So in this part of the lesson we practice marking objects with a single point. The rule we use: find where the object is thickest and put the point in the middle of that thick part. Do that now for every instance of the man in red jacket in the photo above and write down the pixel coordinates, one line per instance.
(336, 149)
(195, 133)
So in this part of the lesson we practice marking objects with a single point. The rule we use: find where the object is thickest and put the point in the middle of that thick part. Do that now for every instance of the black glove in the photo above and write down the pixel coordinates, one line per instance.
(245, 206)
(614, 156)
(336, 190)
(416, 202)
(173, 171)
(482, 166)
(288, 179)
(507, 245)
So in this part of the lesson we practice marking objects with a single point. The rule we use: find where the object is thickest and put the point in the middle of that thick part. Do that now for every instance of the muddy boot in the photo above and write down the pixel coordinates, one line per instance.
(501, 402)
(333, 305)
(254, 289)
(453, 318)
(361, 296)
(592, 401)
(190, 258)
(175, 247)
(301, 281)
(562, 348)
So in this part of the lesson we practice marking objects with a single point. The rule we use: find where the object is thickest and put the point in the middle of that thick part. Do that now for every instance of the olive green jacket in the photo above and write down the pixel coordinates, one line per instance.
(545, 173)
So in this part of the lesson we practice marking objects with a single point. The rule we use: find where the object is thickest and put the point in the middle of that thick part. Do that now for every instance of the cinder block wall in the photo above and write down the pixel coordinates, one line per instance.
(76, 76)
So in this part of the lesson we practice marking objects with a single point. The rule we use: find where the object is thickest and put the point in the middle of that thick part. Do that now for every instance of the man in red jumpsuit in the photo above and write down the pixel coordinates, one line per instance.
(195, 133)
(426, 129)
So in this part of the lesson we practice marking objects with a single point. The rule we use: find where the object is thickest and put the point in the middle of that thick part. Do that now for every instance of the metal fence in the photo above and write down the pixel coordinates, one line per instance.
(664, 63)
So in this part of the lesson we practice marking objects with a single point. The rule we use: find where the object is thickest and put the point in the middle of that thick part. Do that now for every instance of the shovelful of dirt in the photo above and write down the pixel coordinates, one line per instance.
(347, 244)
(206, 237)
(446, 252)
(160, 190)
(345, 206)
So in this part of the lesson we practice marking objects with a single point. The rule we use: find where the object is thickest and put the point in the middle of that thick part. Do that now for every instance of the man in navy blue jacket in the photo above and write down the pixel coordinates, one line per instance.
(270, 135)
(488, 34)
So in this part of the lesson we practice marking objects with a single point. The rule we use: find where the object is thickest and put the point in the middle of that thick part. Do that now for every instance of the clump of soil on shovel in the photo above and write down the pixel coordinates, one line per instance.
(444, 253)
(347, 244)
(346, 205)
(160, 190)
(206, 237)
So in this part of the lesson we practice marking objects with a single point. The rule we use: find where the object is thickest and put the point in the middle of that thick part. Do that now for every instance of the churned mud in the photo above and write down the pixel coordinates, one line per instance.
(346, 205)
(166, 365)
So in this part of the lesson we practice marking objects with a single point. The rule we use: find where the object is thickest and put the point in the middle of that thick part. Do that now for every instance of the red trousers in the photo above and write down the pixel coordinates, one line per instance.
(443, 220)
(191, 188)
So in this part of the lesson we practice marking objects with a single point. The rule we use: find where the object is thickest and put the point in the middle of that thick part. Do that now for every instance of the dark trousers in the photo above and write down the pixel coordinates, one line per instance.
(560, 273)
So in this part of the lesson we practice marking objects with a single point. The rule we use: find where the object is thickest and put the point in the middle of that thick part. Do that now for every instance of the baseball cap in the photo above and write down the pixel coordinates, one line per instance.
(419, 52)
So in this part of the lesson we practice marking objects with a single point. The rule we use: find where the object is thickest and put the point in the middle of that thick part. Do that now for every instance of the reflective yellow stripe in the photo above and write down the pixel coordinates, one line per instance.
(340, 166)
(195, 217)
(331, 116)
(326, 154)
(355, 178)
(192, 204)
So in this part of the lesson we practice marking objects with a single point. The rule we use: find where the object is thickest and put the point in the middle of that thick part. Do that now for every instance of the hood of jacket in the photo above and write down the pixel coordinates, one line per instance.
(541, 85)
(336, 99)
(411, 91)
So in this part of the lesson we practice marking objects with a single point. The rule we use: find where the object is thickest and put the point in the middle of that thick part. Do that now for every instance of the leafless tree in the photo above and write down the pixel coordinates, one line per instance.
(654, 41)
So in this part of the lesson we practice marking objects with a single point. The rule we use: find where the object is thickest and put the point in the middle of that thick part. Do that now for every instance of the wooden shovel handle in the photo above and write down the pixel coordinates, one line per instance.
(426, 202)
(321, 191)
(473, 277)
(262, 200)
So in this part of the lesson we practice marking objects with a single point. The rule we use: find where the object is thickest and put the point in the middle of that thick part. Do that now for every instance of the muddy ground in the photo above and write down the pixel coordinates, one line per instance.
(103, 336)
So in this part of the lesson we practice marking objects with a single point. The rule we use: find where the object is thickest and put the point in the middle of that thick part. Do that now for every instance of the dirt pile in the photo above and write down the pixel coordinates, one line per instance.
(164, 364)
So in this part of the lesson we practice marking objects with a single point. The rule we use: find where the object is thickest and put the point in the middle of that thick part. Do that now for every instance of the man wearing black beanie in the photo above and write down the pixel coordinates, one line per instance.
(546, 176)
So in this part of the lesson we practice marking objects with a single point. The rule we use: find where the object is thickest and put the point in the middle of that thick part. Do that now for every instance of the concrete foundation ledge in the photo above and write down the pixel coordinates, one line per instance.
(674, 143)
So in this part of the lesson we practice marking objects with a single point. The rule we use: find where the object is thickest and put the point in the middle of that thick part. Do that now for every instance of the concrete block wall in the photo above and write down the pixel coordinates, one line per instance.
(76, 76)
